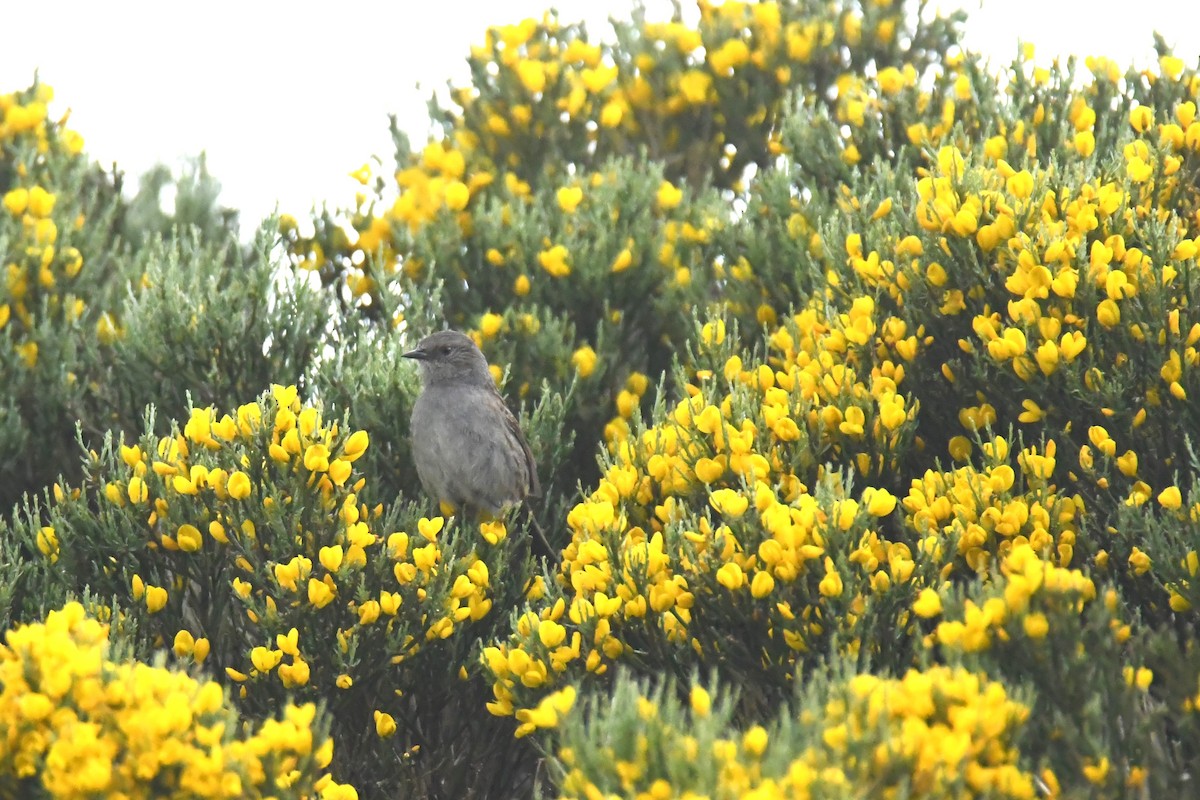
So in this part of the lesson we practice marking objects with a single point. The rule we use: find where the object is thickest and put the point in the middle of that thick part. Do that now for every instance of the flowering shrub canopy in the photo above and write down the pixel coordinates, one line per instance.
(861, 377)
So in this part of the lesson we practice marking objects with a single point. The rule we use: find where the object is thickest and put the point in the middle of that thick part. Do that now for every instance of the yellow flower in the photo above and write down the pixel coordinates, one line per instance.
(316, 458)
(1097, 773)
(1141, 677)
(16, 201)
(1036, 625)
(189, 539)
(457, 195)
(831, 584)
(1171, 66)
(265, 659)
(289, 643)
(430, 528)
(928, 604)
(584, 361)
(623, 261)
(493, 532)
(1141, 118)
(550, 633)
(597, 79)
(891, 80)
(669, 196)
(1170, 497)
(1046, 356)
(569, 198)
(72, 141)
(238, 485)
(295, 674)
(695, 86)
(713, 333)
(729, 502)
(532, 75)
(1085, 143)
(107, 330)
(879, 502)
(1138, 169)
(319, 593)
(339, 471)
(28, 353)
(701, 701)
(731, 577)
(47, 543)
(41, 202)
(156, 599)
(355, 446)
(729, 56)
(385, 725)
(554, 261)
(331, 557)
(755, 740)
(490, 324)
(1100, 437)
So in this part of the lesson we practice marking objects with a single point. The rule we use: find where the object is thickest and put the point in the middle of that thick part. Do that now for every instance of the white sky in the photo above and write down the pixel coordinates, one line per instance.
(287, 98)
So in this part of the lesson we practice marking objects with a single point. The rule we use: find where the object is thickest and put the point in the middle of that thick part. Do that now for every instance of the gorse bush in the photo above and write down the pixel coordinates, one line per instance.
(860, 375)
(247, 542)
(92, 293)
(76, 724)
(939, 732)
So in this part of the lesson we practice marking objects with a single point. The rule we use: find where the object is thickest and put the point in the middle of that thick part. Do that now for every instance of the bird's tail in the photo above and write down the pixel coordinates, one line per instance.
(539, 545)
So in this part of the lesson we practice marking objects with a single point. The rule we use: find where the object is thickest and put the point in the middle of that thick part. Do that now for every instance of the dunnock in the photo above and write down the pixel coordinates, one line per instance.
(468, 447)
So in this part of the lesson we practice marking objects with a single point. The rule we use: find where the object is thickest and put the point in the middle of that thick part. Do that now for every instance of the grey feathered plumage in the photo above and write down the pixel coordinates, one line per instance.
(467, 446)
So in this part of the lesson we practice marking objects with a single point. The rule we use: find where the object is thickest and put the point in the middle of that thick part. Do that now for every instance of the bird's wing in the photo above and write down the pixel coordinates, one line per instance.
(514, 427)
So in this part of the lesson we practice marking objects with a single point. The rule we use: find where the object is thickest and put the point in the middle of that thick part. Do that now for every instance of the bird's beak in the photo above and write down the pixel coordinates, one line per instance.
(418, 354)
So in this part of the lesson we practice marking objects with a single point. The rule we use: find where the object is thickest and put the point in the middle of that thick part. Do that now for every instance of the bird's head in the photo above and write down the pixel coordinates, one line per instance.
(450, 357)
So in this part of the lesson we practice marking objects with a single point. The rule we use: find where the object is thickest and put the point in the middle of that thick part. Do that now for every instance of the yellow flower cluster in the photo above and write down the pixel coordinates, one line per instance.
(297, 443)
(24, 118)
(937, 729)
(1034, 593)
(712, 507)
(76, 724)
(720, 85)
(268, 498)
(39, 270)
(986, 514)
(678, 76)
(1052, 281)
(933, 733)
(807, 404)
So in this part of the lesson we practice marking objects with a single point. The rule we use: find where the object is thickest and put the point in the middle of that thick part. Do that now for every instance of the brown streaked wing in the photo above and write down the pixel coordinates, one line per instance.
(514, 427)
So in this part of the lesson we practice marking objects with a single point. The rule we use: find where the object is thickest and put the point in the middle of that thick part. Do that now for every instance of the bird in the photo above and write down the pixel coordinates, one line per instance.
(467, 446)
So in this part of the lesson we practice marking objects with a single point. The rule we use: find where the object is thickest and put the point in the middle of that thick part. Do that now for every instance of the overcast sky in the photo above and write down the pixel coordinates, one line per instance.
(287, 98)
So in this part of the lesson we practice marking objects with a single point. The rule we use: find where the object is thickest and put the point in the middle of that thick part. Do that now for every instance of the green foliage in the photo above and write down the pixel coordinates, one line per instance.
(860, 375)
(237, 532)
(842, 735)
(194, 203)
(209, 322)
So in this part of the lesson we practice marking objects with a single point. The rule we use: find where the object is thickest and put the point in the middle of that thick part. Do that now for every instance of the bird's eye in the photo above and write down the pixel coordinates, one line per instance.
(446, 350)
